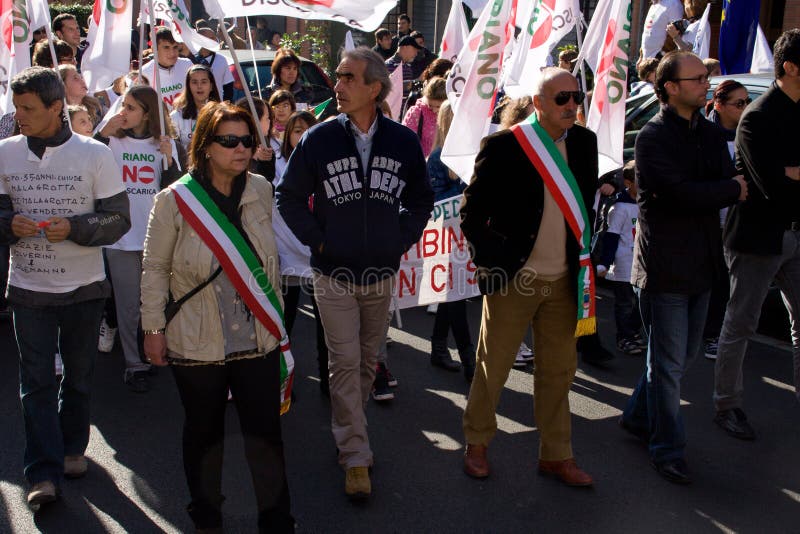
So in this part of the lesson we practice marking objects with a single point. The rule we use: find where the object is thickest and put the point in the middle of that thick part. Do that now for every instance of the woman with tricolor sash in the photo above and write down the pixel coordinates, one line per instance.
(134, 137)
(211, 247)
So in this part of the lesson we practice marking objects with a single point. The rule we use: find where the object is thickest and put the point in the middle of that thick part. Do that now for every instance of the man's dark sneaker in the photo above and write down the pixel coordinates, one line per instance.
(390, 378)
(711, 346)
(137, 382)
(629, 347)
(734, 422)
(380, 387)
(676, 471)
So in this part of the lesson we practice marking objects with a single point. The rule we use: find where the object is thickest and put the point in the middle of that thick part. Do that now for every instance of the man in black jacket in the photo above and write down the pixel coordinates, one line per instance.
(528, 261)
(683, 172)
(371, 201)
(762, 235)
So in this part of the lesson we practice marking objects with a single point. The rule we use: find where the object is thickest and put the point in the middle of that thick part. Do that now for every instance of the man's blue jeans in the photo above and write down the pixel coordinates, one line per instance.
(56, 418)
(674, 325)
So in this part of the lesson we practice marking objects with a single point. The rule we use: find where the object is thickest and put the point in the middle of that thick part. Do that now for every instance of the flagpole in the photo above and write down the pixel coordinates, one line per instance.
(253, 54)
(247, 94)
(156, 77)
(578, 24)
(436, 23)
(141, 42)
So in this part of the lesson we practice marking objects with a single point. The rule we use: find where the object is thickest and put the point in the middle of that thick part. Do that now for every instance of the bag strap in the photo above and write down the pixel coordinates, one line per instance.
(199, 288)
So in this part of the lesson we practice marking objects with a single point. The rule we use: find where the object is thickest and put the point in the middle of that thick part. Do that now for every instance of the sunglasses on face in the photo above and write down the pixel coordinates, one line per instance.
(563, 97)
(232, 141)
(739, 104)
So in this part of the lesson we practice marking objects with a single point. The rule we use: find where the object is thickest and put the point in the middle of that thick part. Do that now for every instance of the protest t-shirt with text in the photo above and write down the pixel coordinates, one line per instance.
(65, 182)
(170, 80)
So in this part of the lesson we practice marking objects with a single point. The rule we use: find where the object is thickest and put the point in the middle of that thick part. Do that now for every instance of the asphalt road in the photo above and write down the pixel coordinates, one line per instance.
(135, 481)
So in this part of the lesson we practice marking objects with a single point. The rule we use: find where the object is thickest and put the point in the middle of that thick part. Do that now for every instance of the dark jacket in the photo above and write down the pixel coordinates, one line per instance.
(385, 53)
(765, 144)
(443, 185)
(502, 207)
(683, 172)
(357, 213)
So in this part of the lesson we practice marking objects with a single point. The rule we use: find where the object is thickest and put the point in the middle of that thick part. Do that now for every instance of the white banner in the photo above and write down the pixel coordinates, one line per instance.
(18, 19)
(108, 54)
(473, 82)
(455, 33)
(702, 39)
(608, 44)
(395, 96)
(438, 268)
(359, 14)
(545, 24)
(176, 13)
(763, 60)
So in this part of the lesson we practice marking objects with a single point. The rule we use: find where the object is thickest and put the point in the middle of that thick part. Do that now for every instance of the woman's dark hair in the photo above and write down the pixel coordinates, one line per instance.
(298, 116)
(722, 93)
(185, 102)
(283, 57)
(147, 97)
(211, 116)
(261, 108)
(437, 69)
(41, 52)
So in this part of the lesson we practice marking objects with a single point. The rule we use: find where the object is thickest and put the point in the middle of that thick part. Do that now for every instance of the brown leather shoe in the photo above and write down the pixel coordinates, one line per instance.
(476, 464)
(567, 471)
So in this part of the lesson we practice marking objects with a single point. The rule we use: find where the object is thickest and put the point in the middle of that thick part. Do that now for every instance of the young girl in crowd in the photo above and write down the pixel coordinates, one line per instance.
(266, 159)
(283, 105)
(77, 93)
(422, 116)
(199, 89)
(294, 256)
(79, 120)
(134, 136)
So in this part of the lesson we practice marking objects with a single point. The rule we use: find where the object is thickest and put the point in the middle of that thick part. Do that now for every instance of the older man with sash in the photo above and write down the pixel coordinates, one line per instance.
(527, 215)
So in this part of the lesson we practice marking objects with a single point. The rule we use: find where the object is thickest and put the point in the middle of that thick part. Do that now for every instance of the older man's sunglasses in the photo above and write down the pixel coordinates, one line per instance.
(563, 97)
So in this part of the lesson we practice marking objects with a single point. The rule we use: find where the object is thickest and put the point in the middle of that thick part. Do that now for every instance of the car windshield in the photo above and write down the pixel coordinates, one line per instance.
(309, 74)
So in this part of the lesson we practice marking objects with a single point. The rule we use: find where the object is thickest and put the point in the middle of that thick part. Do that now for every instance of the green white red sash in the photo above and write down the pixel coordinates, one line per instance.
(240, 265)
(561, 183)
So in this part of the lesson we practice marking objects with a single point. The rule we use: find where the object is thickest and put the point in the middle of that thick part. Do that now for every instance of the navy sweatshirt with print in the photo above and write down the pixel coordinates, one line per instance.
(365, 219)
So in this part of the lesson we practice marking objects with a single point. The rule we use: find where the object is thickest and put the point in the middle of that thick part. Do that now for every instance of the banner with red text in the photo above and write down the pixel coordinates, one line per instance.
(18, 19)
(455, 33)
(438, 268)
(177, 17)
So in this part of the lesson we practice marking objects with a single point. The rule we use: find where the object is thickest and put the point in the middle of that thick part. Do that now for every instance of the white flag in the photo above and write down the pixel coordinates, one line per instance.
(175, 12)
(395, 96)
(608, 44)
(762, 55)
(702, 39)
(349, 44)
(479, 65)
(16, 34)
(365, 16)
(455, 33)
(108, 55)
(544, 25)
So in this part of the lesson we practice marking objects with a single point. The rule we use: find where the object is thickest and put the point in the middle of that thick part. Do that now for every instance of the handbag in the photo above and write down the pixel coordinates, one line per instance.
(174, 306)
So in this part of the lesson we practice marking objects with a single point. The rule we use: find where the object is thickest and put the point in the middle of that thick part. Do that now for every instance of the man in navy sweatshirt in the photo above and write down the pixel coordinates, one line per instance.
(371, 201)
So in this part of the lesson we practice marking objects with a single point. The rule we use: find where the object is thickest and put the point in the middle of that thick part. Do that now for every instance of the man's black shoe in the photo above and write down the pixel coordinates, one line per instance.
(596, 356)
(137, 382)
(734, 422)
(676, 471)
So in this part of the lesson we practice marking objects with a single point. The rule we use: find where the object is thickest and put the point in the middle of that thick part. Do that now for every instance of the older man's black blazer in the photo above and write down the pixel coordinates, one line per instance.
(502, 208)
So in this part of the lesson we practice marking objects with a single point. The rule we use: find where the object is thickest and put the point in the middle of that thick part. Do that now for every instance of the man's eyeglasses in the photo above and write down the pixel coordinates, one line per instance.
(563, 97)
(232, 141)
(703, 78)
(739, 104)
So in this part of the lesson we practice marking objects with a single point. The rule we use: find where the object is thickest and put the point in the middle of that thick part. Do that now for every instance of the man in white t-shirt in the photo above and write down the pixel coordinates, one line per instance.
(61, 199)
(217, 63)
(172, 69)
(660, 14)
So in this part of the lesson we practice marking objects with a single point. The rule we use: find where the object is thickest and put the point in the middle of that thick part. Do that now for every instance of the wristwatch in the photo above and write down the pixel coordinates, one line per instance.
(154, 332)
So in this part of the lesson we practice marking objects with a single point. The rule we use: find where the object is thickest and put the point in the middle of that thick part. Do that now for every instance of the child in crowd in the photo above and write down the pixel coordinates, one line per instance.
(617, 259)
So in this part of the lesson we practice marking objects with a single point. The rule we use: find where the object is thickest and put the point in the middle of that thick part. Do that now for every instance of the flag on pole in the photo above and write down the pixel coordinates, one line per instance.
(702, 39)
(477, 75)
(106, 57)
(455, 33)
(763, 60)
(544, 25)
(175, 13)
(608, 42)
(395, 96)
(349, 44)
(364, 16)
(18, 19)
(319, 109)
(737, 35)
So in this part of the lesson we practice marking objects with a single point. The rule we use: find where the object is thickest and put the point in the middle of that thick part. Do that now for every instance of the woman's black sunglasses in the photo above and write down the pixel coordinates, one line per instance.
(564, 96)
(232, 141)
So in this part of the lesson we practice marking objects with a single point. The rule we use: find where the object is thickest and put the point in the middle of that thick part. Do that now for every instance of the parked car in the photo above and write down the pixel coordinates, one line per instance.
(312, 77)
(641, 108)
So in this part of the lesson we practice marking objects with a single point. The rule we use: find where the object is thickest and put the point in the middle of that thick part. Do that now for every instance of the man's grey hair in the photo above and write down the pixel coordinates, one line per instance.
(375, 70)
(546, 75)
(43, 82)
